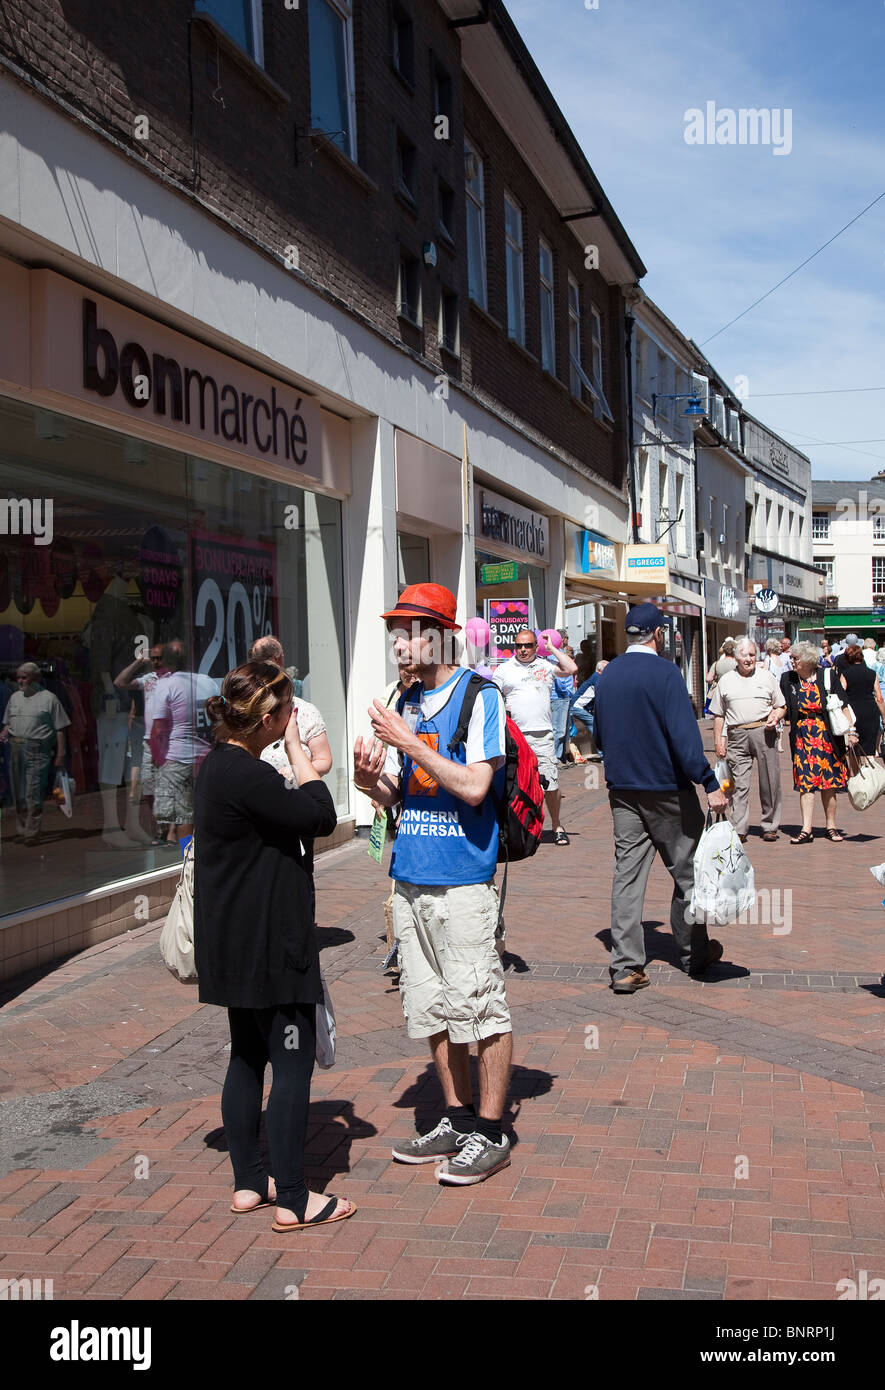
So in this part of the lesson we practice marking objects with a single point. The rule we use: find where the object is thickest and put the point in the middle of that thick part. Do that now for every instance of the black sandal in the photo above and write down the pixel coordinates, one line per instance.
(323, 1217)
(804, 837)
(836, 837)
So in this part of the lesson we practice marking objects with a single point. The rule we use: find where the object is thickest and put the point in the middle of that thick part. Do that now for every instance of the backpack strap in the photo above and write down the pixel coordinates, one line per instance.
(404, 698)
(471, 694)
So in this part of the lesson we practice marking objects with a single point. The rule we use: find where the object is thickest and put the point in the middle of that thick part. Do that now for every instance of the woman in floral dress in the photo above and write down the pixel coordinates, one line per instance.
(818, 754)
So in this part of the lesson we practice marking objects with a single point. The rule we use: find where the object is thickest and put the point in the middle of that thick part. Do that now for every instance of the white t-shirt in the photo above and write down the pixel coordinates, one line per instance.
(39, 715)
(310, 725)
(148, 684)
(180, 697)
(527, 689)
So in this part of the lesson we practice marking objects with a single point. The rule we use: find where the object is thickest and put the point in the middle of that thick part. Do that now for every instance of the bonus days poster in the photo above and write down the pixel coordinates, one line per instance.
(505, 617)
(234, 587)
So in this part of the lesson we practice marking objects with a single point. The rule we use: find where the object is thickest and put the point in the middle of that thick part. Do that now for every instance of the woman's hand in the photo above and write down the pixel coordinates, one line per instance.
(292, 738)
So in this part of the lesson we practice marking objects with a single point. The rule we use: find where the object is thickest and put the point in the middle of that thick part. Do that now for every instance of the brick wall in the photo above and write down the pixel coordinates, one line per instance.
(249, 154)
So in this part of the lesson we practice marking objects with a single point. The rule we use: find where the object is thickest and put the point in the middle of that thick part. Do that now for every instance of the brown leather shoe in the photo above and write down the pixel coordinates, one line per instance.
(631, 982)
(771, 835)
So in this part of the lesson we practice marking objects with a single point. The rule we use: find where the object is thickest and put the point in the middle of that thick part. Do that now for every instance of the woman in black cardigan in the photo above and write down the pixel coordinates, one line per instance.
(818, 754)
(254, 943)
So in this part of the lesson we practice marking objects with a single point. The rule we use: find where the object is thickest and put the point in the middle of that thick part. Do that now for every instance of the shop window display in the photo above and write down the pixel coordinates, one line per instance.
(133, 577)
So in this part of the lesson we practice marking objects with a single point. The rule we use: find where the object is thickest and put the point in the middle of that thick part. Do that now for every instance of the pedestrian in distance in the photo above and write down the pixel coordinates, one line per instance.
(747, 706)
(818, 754)
(826, 655)
(526, 682)
(724, 663)
(862, 693)
(582, 704)
(34, 724)
(653, 753)
(841, 655)
(311, 725)
(254, 945)
(445, 907)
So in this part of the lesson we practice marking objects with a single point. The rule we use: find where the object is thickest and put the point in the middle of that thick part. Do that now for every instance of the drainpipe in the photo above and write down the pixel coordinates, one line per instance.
(629, 321)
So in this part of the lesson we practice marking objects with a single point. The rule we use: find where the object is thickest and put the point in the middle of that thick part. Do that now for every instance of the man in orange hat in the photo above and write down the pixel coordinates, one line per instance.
(445, 906)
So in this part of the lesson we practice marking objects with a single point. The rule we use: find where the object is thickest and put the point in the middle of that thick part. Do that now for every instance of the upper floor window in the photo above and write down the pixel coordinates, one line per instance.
(548, 316)
(442, 92)
(576, 373)
(239, 18)
(820, 526)
(642, 382)
(403, 44)
(332, 100)
(600, 404)
(476, 225)
(515, 277)
(406, 166)
(878, 527)
(878, 577)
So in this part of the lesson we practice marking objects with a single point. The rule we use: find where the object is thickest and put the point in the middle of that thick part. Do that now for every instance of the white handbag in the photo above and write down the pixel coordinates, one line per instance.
(177, 936)
(866, 780)
(325, 1030)
(841, 716)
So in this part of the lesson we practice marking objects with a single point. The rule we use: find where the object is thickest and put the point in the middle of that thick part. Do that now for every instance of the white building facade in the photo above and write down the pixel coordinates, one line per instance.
(848, 539)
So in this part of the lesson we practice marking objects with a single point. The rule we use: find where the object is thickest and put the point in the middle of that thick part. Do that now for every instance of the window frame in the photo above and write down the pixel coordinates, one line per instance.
(576, 370)
(817, 535)
(450, 294)
(479, 204)
(256, 22)
(601, 408)
(408, 258)
(343, 10)
(401, 18)
(878, 561)
(547, 301)
(403, 144)
(514, 250)
(443, 184)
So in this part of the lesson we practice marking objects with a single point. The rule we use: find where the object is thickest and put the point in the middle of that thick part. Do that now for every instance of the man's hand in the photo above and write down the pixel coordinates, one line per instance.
(368, 761)
(717, 800)
(721, 748)
(390, 727)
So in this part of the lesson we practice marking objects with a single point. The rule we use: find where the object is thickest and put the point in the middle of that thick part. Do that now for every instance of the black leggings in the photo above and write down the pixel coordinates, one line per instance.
(285, 1036)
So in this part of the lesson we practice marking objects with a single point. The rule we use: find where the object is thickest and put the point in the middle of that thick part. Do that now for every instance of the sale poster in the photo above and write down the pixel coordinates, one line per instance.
(505, 617)
(235, 600)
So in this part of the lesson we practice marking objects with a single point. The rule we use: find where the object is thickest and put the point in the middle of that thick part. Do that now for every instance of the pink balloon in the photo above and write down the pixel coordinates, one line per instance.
(477, 632)
(552, 637)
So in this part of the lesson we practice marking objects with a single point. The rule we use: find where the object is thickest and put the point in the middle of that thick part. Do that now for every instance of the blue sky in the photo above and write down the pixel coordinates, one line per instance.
(718, 225)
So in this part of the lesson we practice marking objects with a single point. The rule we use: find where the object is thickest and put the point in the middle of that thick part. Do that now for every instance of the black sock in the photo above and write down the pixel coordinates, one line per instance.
(491, 1129)
(462, 1118)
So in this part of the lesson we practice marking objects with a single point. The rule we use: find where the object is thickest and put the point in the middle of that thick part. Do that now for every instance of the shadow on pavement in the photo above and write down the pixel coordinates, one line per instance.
(660, 947)
(425, 1095)
(331, 1130)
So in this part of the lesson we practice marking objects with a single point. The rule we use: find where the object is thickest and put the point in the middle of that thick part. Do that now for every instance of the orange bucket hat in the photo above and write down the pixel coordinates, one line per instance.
(426, 601)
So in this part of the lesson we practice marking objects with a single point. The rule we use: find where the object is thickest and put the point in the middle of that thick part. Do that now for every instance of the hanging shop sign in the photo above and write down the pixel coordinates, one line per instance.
(766, 601)
(595, 554)
(726, 603)
(505, 617)
(504, 573)
(235, 599)
(513, 527)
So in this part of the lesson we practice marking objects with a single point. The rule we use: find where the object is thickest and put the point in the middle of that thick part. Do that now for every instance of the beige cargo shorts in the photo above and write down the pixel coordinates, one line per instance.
(451, 978)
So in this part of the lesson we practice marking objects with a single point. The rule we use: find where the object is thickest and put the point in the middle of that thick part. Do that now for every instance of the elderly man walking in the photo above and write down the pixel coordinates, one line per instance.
(747, 705)
(648, 735)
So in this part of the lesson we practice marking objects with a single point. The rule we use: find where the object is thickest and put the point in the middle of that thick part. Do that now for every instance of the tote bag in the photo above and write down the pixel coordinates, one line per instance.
(866, 780)
(841, 717)
(325, 1030)
(177, 936)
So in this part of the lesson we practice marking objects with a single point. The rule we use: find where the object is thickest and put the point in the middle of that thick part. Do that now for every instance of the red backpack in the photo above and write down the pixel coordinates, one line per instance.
(521, 809)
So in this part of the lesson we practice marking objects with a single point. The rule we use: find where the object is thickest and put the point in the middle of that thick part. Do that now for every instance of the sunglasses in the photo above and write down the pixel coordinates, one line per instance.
(528, 646)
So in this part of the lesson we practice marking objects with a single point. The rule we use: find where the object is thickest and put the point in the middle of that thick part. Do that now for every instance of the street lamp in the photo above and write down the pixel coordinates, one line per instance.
(694, 406)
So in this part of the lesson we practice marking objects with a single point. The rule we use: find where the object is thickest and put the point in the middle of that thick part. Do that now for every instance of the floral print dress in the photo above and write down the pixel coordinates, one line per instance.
(816, 766)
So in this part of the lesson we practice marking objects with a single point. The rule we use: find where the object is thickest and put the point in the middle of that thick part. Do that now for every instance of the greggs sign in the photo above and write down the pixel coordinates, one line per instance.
(136, 367)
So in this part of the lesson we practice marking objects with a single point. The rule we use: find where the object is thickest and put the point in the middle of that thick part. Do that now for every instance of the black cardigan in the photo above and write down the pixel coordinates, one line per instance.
(790, 684)
(254, 942)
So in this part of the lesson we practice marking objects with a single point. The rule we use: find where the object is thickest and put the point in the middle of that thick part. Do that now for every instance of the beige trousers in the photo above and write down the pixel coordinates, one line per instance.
(745, 745)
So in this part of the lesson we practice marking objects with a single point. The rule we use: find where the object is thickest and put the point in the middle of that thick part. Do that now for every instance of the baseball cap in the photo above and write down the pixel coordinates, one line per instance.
(645, 618)
(426, 601)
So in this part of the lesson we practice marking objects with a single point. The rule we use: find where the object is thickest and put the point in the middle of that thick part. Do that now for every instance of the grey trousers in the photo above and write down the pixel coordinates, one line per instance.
(743, 746)
(645, 823)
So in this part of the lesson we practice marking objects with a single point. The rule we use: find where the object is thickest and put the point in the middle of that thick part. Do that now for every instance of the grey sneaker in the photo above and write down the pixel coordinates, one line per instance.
(477, 1160)
(441, 1142)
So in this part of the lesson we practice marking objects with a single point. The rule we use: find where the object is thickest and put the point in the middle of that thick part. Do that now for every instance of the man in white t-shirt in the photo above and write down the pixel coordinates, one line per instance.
(177, 742)
(747, 705)
(526, 682)
(34, 724)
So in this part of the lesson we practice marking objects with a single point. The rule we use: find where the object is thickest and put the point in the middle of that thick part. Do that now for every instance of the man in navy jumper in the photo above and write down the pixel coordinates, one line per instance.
(652, 750)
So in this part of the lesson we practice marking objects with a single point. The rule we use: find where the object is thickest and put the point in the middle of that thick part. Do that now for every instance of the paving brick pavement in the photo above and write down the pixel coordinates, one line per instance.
(709, 1140)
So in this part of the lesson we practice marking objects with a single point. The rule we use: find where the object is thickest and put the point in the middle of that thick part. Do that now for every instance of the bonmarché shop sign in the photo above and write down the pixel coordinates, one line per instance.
(86, 346)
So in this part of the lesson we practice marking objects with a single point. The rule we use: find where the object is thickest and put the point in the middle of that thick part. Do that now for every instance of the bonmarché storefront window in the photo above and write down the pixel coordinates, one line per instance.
(132, 578)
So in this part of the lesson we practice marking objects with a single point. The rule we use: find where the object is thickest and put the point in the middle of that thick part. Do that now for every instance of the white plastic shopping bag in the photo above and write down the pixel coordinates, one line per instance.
(724, 882)
(326, 1031)
(63, 793)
